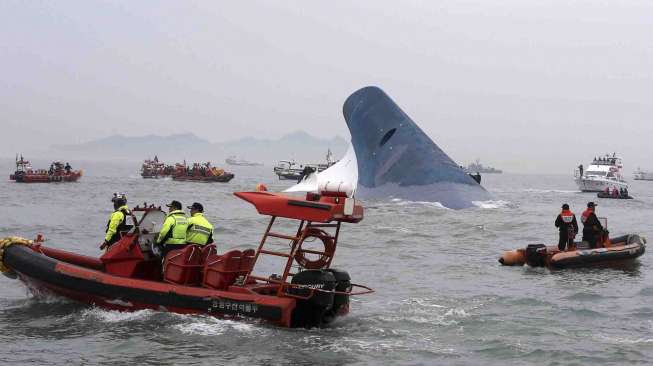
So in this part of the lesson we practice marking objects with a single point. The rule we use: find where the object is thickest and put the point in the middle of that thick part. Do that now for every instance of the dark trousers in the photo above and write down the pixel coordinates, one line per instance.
(565, 240)
(591, 238)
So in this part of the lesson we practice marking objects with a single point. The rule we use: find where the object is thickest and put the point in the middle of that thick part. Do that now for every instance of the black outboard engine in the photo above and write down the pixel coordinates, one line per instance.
(535, 255)
(311, 312)
(343, 284)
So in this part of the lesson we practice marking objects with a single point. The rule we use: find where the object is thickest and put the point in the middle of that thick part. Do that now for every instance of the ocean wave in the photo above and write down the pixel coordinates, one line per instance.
(533, 190)
(115, 316)
(426, 311)
(400, 202)
(493, 204)
(210, 326)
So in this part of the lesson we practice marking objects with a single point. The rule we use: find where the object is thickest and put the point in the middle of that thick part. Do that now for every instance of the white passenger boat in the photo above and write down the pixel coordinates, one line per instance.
(604, 172)
(640, 174)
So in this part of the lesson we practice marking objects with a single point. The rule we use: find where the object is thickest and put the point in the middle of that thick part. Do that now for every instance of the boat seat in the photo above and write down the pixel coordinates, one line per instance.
(184, 266)
(208, 250)
(246, 261)
(220, 271)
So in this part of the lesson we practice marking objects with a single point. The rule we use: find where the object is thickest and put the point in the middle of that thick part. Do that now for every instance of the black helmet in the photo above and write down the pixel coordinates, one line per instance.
(196, 206)
(119, 199)
(175, 205)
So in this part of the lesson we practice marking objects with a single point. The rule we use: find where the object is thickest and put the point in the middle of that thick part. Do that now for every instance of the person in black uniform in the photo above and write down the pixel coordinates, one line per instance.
(592, 228)
(566, 222)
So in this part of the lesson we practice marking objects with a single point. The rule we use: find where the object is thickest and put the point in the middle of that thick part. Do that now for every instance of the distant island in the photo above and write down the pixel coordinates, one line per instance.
(298, 145)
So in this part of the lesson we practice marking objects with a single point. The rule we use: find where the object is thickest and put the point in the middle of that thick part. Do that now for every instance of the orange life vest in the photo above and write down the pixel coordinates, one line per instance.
(586, 214)
(567, 216)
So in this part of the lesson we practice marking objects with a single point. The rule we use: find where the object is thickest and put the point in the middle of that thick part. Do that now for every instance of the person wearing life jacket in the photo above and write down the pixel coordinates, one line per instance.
(566, 222)
(592, 228)
(200, 230)
(117, 223)
(173, 231)
(606, 190)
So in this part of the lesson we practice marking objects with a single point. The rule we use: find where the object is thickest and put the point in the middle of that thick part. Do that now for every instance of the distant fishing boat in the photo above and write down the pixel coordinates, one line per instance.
(640, 174)
(477, 167)
(234, 160)
(58, 172)
(201, 172)
(153, 169)
(290, 170)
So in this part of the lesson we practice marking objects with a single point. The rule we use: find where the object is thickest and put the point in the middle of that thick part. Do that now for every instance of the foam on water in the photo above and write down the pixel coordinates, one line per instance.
(114, 316)
(492, 204)
(211, 326)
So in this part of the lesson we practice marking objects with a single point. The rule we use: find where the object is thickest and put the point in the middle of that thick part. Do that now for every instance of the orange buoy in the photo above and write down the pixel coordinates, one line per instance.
(513, 258)
(261, 188)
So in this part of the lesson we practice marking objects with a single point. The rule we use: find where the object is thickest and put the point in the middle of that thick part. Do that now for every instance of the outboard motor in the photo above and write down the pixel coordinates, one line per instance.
(536, 255)
(311, 312)
(343, 284)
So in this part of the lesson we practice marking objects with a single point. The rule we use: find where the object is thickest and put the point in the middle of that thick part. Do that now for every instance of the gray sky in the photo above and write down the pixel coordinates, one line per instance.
(533, 86)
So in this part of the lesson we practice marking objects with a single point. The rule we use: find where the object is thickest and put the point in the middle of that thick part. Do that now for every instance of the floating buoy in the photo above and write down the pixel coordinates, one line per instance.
(513, 258)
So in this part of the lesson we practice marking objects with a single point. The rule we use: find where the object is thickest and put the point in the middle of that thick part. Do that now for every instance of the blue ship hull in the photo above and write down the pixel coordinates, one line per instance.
(396, 159)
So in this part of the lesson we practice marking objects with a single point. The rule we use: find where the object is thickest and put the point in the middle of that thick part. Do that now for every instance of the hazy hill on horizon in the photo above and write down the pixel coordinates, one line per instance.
(298, 145)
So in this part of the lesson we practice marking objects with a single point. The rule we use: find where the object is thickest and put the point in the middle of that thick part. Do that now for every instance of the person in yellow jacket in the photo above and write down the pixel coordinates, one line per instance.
(200, 230)
(117, 223)
(173, 231)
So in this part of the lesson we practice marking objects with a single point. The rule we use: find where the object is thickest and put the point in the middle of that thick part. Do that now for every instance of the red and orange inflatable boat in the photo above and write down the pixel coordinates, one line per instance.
(306, 292)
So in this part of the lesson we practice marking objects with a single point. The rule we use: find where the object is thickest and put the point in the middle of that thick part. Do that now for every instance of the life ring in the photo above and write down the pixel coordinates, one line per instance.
(329, 249)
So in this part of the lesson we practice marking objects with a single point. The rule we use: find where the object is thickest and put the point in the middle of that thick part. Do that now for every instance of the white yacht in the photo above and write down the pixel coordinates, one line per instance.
(604, 172)
(640, 174)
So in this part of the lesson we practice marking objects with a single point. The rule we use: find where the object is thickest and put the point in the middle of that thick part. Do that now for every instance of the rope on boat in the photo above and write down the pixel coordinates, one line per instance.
(7, 242)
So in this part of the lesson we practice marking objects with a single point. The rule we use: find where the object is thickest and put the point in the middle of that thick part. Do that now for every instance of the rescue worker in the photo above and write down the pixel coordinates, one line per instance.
(592, 228)
(173, 231)
(118, 221)
(200, 230)
(615, 192)
(566, 222)
(68, 168)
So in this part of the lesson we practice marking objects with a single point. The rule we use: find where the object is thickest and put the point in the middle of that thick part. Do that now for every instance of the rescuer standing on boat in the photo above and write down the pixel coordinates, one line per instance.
(173, 231)
(118, 221)
(200, 230)
(566, 222)
(592, 228)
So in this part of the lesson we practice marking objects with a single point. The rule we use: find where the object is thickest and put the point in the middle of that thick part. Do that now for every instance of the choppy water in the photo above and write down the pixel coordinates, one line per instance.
(441, 297)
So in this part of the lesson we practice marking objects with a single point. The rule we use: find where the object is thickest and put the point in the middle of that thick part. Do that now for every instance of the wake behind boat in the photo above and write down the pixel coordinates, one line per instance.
(604, 172)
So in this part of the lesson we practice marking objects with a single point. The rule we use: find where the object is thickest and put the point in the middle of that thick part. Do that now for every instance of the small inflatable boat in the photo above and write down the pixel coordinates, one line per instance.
(608, 195)
(616, 251)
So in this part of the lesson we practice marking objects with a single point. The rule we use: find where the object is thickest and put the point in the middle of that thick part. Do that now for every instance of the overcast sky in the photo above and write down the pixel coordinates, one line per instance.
(533, 86)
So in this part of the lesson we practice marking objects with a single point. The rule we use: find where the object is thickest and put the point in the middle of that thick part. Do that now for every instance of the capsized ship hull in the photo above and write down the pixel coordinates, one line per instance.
(391, 157)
